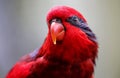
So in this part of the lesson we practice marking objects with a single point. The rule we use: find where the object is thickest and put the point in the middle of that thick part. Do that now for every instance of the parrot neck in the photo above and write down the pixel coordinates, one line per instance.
(66, 52)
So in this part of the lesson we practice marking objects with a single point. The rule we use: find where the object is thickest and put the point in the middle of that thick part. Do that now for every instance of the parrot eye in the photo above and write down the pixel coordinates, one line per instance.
(56, 20)
(74, 20)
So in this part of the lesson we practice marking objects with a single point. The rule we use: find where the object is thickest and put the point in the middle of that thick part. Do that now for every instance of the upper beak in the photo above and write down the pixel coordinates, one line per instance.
(57, 32)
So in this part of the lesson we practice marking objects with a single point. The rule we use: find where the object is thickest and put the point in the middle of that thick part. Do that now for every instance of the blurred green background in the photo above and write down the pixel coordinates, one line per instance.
(23, 28)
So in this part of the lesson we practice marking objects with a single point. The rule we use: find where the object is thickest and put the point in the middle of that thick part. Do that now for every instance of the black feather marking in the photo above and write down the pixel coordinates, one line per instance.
(80, 23)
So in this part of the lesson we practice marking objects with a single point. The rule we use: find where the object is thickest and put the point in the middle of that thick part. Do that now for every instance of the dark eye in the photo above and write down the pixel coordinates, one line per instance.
(56, 20)
(74, 20)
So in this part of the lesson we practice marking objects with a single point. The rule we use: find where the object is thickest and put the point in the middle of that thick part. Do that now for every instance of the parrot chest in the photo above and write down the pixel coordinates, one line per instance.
(62, 70)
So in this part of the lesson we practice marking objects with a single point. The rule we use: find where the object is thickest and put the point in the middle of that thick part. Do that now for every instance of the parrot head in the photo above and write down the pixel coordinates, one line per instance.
(61, 18)
(69, 36)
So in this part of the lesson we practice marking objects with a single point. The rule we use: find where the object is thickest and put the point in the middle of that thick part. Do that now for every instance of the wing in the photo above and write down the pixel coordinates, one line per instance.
(30, 57)
(26, 66)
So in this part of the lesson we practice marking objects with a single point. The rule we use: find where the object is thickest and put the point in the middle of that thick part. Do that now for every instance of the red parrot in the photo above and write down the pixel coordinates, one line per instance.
(69, 50)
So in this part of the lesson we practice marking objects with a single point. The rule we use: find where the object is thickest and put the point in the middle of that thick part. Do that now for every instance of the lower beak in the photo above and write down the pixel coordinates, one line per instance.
(57, 32)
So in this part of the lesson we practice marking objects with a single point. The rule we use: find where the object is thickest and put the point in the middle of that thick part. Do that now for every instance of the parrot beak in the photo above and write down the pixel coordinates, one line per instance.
(57, 32)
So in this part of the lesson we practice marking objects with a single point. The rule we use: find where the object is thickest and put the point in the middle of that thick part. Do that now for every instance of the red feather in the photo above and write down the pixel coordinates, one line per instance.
(70, 58)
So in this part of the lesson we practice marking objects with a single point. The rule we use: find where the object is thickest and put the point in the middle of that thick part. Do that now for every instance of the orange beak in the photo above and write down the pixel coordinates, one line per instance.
(57, 32)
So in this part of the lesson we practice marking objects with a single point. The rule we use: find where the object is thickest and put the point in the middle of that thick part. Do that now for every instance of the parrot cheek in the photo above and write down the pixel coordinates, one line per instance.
(57, 32)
